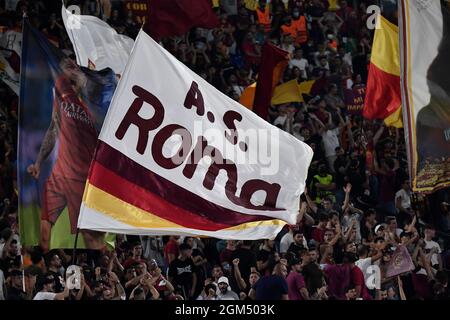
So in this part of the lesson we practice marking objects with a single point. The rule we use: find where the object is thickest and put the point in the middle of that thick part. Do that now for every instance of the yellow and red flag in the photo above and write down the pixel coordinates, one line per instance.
(383, 95)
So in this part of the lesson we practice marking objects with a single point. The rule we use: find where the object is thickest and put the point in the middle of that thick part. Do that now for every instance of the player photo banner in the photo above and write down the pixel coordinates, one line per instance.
(176, 156)
(425, 84)
(62, 107)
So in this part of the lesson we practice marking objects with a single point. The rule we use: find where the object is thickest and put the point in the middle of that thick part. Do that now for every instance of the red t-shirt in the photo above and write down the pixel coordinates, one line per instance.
(357, 278)
(172, 248)
(77, 136)
(295, 282)
(317, 234)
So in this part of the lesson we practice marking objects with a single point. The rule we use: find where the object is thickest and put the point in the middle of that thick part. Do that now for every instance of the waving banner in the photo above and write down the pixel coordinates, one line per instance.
(62, 107)
(425, 85)
(354, 99)
(176, 156)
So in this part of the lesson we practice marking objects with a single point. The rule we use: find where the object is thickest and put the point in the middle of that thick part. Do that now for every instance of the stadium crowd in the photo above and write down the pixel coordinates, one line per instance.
(357, 210)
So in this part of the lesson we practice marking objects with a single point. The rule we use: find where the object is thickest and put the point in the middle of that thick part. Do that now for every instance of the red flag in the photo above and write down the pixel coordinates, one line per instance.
(274, 61)
(167, 18)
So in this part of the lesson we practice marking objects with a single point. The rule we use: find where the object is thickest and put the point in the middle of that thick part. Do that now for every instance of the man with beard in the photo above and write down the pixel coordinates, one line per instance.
(225, 290)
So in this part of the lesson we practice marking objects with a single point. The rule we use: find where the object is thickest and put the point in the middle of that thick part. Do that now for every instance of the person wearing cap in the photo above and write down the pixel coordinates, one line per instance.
(225, 290)
(15, 289)
(296, 283)
(47, 292)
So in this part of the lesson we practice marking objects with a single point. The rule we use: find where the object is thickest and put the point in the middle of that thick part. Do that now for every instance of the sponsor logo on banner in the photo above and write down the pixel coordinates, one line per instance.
(354, 99)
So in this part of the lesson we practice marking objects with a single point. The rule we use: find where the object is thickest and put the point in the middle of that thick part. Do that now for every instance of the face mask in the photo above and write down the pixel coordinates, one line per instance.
(330, 36)
(296, 14)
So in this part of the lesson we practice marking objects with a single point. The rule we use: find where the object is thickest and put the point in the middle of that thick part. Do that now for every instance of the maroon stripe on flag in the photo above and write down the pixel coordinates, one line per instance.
(127, 191)
(130, 170)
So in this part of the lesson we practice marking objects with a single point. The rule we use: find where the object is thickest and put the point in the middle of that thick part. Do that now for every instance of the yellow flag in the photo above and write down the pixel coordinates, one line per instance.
(284, 93)
(251, 4)
(395, 119)
(287, 92)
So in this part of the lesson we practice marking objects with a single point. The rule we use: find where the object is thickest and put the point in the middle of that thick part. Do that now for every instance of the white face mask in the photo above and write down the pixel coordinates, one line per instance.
(330, 36)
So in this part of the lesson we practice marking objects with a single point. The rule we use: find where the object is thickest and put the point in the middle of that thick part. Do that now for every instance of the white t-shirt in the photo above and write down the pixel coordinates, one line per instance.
(363, 264)
(405, 198)
(229, 295)
(285, 242)
(45, 296)
(347, 58)
(330, 141)
(430, 245)
(302, 64)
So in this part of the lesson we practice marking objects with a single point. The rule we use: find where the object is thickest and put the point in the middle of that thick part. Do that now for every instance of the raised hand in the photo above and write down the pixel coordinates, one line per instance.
(348, 188)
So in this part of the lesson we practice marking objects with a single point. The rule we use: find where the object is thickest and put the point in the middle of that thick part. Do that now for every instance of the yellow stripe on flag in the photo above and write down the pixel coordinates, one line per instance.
(395, 119)
(385, 50)
(254, 224)
(122, 211)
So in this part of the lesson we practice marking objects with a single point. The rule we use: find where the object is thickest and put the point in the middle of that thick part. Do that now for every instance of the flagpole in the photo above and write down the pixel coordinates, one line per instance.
(75, 246)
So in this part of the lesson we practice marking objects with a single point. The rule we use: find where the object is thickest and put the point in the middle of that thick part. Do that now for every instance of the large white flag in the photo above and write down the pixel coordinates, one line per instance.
(97, 45)
(177, 156)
